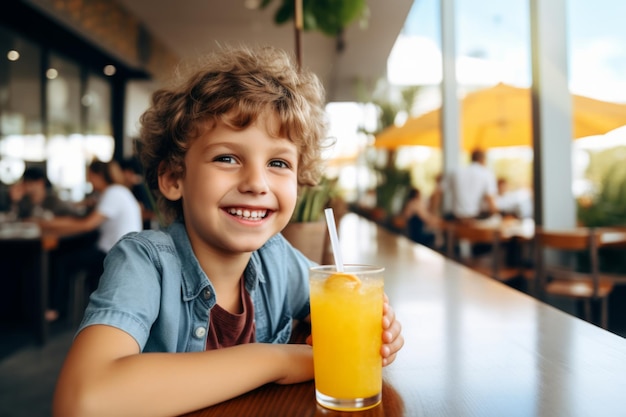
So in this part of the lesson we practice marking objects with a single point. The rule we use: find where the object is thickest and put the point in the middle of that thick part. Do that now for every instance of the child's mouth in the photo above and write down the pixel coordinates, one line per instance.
(247, 214)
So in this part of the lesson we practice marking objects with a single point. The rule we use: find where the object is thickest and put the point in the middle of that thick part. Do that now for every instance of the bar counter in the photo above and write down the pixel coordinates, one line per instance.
(24, 243)
(473, 346)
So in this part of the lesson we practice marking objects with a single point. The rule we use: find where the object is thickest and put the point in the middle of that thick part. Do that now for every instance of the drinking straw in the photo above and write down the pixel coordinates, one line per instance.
(334, 239)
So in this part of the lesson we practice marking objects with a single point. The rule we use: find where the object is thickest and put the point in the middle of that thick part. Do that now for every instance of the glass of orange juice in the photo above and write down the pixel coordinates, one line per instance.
(346, 326)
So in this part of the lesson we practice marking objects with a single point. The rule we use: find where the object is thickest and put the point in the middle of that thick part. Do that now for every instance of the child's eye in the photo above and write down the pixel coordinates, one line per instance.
(227, 159)
(279, 164)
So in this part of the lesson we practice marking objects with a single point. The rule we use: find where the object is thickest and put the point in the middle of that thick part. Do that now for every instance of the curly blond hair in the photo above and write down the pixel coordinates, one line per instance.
(233, 86)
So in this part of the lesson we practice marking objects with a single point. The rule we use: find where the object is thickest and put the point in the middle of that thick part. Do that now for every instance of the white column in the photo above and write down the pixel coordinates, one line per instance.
(552, 116)
(450, 120)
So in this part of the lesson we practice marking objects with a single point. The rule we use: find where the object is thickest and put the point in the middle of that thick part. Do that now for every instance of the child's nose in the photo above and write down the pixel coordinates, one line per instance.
(254, 180)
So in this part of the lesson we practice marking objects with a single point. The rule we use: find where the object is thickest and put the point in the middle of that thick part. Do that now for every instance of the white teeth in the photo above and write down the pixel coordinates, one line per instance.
(248, 214)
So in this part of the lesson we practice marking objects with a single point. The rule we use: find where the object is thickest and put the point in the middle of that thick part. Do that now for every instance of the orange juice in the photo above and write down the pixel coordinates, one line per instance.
(346, 325)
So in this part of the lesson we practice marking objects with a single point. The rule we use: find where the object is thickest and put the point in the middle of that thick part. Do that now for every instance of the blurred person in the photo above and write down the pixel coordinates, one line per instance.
(115, 214)
(513, 203)
(506, 200)
(435, 202)
(420, 222)
(12, 194)
(34, 197)
(133, 179)
(470, 187)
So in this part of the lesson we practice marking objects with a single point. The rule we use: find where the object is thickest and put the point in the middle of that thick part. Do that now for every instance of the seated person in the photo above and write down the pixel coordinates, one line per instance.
(513, 203)
(115, 214)
(506, 200)
(419, 221)
(435, 202)
(10, 196)
(34, 197)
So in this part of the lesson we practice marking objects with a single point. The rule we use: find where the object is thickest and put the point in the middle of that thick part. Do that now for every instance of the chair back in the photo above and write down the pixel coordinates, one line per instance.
(474, 235)
(579, 240)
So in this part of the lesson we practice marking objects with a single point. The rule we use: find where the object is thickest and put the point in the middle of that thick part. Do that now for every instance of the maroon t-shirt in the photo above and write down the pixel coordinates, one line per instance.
(227, 329)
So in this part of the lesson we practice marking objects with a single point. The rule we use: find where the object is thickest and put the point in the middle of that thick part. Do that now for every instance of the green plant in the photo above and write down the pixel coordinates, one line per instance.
(392, 188)
(608, 206)
(327, 16)
(389, 101)
(313, 200)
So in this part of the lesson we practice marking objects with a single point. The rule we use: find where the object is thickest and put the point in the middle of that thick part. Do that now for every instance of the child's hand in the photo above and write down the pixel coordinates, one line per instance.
(392, 339)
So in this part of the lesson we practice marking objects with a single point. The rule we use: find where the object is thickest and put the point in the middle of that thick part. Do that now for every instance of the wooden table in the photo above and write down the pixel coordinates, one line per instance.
(610, 237)
(510, 228)
(519, 235)
(474, 346)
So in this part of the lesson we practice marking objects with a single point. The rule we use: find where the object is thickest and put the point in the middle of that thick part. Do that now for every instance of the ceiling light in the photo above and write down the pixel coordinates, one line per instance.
(52, 73)
(109, 70)
(13, 55)
(252, 4)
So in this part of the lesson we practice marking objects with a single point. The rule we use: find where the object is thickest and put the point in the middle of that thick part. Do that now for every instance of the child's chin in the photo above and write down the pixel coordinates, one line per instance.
(250, 245)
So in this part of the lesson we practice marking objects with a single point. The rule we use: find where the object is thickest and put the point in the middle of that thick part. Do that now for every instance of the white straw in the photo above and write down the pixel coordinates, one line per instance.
(334, 238)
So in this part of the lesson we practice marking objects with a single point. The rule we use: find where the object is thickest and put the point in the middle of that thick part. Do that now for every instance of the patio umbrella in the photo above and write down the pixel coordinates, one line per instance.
(501, 116)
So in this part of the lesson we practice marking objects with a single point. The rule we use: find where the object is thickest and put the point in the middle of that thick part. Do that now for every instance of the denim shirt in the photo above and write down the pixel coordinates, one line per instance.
(154, 289)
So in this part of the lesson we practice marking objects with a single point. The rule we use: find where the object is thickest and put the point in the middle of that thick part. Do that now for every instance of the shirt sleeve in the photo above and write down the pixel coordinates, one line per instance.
(129, 291)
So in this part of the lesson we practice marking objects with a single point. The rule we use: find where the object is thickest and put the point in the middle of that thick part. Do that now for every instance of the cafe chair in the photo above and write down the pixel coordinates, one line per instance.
(561, 274)
(481, 249)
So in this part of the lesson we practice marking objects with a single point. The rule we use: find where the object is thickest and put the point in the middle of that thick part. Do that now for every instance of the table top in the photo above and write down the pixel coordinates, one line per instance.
(510, 227)
(473, 346)
(525, 229)
(19, 230)
(25, 232)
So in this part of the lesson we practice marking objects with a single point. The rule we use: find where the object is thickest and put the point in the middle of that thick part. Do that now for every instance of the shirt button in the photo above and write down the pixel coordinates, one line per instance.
(206, 294)
(200, 332)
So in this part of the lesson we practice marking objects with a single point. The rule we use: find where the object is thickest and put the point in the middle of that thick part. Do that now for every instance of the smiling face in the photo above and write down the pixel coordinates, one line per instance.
(239, 187)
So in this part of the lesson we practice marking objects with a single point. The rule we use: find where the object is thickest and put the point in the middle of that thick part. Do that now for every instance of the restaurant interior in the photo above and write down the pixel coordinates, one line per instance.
(75, 76)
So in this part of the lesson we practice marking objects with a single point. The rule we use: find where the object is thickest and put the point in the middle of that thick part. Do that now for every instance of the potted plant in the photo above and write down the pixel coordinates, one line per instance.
(391, 191)
(307, 230)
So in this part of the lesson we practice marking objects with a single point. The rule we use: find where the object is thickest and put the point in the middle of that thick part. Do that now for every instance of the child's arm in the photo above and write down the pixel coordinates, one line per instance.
(105, 375)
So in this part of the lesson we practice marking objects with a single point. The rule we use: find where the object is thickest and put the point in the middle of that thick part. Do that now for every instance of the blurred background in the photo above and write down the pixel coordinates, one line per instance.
(76, 74)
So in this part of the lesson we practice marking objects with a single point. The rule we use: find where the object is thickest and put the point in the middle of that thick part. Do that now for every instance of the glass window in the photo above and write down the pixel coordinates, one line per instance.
(63, 93)
(20, 85)
(597, 58)
(66, 160)
(99, 142)
(21, 137)
(97, 104)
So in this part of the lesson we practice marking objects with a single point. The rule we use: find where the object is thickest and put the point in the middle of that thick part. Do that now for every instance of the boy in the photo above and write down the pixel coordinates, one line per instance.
(225, 152)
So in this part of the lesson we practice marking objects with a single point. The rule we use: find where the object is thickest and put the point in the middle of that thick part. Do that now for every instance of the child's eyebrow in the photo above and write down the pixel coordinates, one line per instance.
(287, 148)
(282, 145)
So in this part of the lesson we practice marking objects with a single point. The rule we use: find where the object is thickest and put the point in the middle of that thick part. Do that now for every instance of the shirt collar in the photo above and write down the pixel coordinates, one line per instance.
(194, 279)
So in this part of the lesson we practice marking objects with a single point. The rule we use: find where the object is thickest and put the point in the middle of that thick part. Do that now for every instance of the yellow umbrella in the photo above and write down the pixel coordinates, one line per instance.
(501, 116)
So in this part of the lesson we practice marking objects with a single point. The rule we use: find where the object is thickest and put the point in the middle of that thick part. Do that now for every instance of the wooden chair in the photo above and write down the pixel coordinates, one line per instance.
(565, 279)
(490, 261)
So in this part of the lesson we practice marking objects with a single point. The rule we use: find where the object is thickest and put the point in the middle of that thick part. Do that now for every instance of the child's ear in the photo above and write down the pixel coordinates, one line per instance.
(170, 186)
